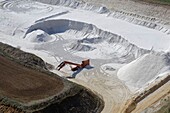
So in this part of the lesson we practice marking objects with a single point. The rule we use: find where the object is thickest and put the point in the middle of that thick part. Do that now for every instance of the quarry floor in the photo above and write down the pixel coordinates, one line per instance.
(112, 90)
(107, 85)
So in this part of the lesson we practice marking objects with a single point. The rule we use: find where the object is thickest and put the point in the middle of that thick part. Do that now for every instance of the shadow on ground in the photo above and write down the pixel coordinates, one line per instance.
(78, 71)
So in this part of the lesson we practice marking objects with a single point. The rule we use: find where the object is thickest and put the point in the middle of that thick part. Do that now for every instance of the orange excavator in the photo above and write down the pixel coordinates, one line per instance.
(78, 66)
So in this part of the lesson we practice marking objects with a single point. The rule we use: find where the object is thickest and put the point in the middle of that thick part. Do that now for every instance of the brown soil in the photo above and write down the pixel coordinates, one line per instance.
(27, 86)
(9, 109)
(22, 84)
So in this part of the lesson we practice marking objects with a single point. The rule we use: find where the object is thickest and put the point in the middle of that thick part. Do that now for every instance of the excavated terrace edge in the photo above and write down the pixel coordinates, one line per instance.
(70, 89)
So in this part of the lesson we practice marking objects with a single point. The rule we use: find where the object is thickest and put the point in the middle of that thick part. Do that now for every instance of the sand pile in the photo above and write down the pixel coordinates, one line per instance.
(144, 69)
(38, 36)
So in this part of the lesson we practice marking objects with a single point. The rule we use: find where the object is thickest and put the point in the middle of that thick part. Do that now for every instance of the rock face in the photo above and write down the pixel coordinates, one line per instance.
(71, 98)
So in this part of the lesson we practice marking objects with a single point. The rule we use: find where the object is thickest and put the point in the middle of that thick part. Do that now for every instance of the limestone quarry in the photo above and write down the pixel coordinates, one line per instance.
(127, 43)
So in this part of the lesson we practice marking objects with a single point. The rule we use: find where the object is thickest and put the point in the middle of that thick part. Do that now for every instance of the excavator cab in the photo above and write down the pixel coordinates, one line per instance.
(85, 63)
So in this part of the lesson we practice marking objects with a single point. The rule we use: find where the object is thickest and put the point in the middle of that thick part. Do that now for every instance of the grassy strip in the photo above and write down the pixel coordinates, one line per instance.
(161, 2)
(165, 108)
(166, 2)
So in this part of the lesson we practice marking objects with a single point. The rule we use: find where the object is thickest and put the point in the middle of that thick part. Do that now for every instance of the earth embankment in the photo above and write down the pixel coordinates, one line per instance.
(27, 86)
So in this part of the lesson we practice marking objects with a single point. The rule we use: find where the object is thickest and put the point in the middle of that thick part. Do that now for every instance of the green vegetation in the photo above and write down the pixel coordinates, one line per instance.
(166, 107)
(167, 2)
(163, 2)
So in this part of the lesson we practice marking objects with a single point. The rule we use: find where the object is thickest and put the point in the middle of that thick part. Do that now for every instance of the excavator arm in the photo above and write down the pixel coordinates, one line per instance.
(84, 64)
(61, 65)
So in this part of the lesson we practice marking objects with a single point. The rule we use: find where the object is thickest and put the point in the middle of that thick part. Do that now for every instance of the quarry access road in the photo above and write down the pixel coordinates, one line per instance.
(109, 88)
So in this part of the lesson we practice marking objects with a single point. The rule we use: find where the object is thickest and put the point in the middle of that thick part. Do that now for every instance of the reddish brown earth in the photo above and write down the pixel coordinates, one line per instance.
(27, 86)
(23, 84)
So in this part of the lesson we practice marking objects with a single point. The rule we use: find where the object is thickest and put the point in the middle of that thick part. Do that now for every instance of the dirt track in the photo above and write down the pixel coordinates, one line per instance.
(137, 7)
(25, 85)
(112, 90)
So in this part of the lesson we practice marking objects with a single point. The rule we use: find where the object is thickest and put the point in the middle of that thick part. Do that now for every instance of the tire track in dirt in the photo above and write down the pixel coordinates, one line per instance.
(113, 91)
(24, 6)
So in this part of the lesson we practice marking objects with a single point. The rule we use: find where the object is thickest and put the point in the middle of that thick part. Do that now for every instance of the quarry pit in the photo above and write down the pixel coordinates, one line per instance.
(128, 51)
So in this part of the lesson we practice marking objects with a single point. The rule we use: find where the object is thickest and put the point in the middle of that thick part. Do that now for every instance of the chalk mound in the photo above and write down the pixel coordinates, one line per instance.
(144, 69)
(38, 36)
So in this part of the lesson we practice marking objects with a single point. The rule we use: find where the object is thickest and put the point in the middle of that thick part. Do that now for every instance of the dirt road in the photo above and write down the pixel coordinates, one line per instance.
(137, 7)
(108, 87)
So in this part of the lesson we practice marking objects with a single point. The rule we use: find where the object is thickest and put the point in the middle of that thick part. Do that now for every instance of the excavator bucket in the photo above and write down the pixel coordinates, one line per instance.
(60, 65)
